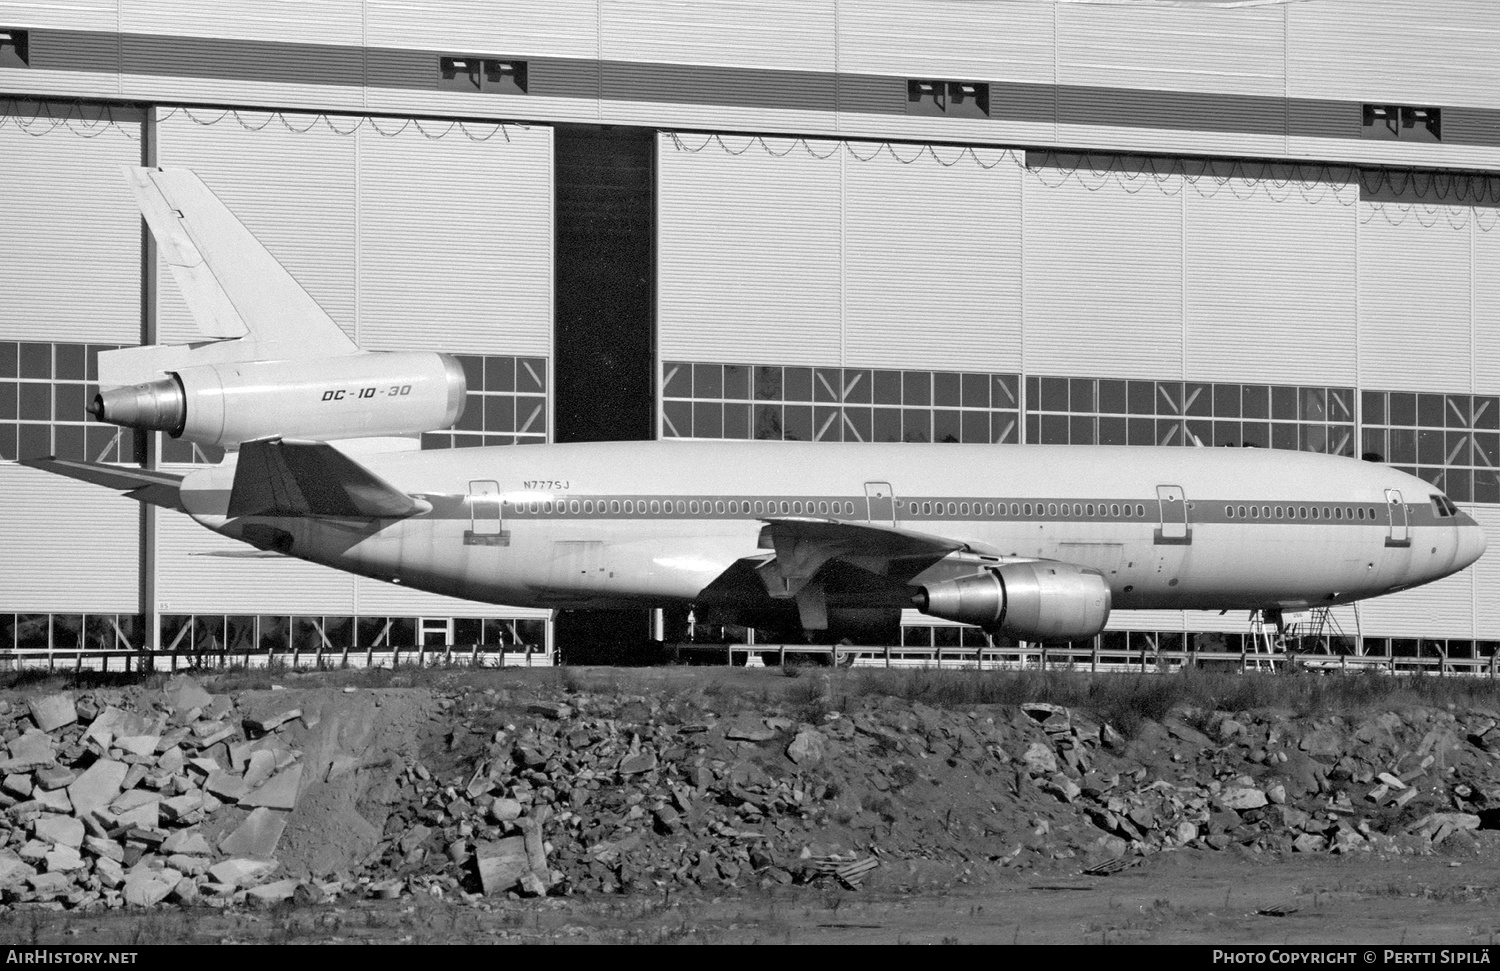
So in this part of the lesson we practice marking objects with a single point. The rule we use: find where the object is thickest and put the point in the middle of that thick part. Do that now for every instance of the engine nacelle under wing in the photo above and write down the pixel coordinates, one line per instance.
(1042, 601)
(359, 396)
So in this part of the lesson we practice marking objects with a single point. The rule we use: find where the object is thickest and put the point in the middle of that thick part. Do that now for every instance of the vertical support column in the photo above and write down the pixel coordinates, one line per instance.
(145, 445)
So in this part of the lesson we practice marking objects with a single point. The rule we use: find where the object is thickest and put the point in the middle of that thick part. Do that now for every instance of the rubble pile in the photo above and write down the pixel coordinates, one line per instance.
(111, 803)
(129, 799)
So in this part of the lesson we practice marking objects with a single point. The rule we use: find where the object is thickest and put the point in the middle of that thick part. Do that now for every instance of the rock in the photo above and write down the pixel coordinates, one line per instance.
(1276, 793)
(50, 777)
(268, 721)
(1241, 798)
(64, 859)
(104, 848)
(17, 784)
(505, 810)
(270, 894)
(749, 730)
(1039, 759)
(642, 761)
(256, 837)
(807, 748)
(550, 709)
(228, 786)
(32, 749)
(501, 863)
(98, 786)
(59, 831)
(52, 712)
(260, 767)
(241, 872)
(1308, 843)
(280, 792)
(146, 888)
(183, 694)
(13, 869)
(110, 873)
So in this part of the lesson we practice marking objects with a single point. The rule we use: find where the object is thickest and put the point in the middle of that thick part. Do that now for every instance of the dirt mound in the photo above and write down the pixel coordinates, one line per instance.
(544, 784)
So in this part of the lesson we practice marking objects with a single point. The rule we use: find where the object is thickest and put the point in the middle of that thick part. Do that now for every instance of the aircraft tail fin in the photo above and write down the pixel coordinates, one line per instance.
(281, 478)
(157, 488)
(234, 287)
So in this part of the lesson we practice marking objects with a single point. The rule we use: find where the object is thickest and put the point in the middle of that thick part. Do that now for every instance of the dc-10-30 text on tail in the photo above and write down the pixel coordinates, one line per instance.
(1033, 542)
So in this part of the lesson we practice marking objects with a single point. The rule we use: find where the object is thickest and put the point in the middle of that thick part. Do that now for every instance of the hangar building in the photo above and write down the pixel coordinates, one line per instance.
(860, 220)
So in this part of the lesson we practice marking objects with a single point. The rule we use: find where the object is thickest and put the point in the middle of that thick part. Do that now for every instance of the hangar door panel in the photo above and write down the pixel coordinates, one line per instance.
(1485, 235)
(463, 262)
(68, 546)
(70, 249)
(1487, 574)
(199, 571)
(932, 257)
(290, 178)
(1270, 263)
(1441, 609)
(748, 249)
(1414, 296)
(1102, 270)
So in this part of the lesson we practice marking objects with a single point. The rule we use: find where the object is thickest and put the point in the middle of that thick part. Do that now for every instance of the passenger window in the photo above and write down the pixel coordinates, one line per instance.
(574, 506)
(1140, 510)
(1078, 509)
(1114, 509)
(655, 506)
(759, 508)
(719, 507)
(614, 506)
(1052, 509)
(1027, 507)
(953, 509)
(629, 507)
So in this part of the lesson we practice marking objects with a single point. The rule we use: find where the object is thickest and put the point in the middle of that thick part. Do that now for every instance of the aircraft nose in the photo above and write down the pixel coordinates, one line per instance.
(1471, 544)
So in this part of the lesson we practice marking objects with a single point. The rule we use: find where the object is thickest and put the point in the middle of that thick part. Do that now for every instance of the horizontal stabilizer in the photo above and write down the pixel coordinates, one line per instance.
(232, 284)
(155, 488)
(280, 478)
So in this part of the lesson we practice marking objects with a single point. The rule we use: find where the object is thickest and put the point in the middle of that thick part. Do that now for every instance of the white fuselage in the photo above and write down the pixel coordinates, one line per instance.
(654, 523)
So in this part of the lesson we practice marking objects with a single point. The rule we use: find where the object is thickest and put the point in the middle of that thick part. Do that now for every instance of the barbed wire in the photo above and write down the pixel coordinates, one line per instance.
(38, 117)
(346, 125)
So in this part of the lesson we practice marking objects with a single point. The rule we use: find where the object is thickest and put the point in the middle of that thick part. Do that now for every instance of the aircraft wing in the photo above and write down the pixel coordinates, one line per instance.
(234, 287)
(281, 478)
(805, 546)
(156, 488)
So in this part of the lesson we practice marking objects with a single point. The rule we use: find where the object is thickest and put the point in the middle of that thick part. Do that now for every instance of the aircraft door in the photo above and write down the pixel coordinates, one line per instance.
(1174, 525)
(486, 527)
(1398, 532)
(882, 503)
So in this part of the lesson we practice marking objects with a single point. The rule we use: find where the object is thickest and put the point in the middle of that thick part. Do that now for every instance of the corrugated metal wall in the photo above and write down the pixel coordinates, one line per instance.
(469, 247)
(69, 229)
(748, 253)
(68, 546)
(1486, 575)
(1108, 55)
(69, 224)
(1270, 275)
(932, 258)
(1415, 304)
(1102, 277)
(463, 264)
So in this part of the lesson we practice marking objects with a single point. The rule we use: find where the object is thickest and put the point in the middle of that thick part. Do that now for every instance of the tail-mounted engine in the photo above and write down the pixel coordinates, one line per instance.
(366, 395)
(1038, 601)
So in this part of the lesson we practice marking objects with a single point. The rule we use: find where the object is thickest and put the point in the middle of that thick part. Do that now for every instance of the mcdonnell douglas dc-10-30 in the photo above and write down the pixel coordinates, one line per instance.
(1033, 542)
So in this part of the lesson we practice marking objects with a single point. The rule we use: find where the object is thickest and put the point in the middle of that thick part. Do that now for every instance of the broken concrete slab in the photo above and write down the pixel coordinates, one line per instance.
(146, 888)
(13, 869)
(501, 863)
(183, 694)
(268, 894)
(257, 836)
(98, 786)
(32, 749)
(267, 721)
(280, 792)
(51, 712)
(241, 872)
(228, 786)
(187, 841)
(142, 745)
(64, 859)
(749, 730)
(50, 777)
(1241, 798)
(59, 830)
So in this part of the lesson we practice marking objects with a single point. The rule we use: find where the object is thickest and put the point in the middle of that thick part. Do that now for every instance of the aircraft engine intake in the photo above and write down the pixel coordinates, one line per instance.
(1041, 601)
(366, 395)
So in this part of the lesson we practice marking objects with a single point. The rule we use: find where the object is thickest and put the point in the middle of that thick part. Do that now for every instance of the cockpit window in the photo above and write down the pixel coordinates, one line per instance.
(1444, 507)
